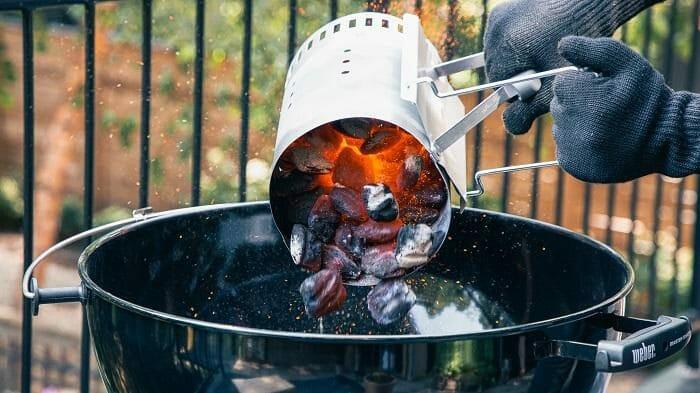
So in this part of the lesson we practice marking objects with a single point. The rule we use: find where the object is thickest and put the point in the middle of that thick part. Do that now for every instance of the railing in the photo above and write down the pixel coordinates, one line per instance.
(54, 361)
(560, 215)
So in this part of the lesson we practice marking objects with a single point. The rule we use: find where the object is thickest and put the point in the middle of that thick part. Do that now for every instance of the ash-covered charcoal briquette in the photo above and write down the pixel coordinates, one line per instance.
(323, 219)
(380, 261)
(380, 202)
(346, 240)
(356, 127)
(433, 195)
(305, 248)
(323, 292)
(335, 258)
(390, 300)
(377, 232)
(348, 202)
(419, 215)
(380, 140)
(309, 160)
(293, 183)
(413, 245)
(409, 172)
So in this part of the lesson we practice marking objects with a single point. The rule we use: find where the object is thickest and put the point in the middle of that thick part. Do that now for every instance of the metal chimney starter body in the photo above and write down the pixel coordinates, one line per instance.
(350, 68)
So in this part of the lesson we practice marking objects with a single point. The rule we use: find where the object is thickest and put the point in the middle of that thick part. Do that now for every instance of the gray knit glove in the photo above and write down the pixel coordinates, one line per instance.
(625, 122)
(523, 35)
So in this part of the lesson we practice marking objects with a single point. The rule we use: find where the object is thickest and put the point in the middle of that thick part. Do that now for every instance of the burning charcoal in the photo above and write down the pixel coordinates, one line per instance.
(293, 183)
(323, 219)
(413, 245)
(346, 240)
(381, 140)
(356, 127)
(410, 172)
(348, 203)
(419, 215)
(389, 301)
(433, 195)
(335, 258)
(380, 261)
(305, 248)
(378, 232)
(323, 292)
(380, 202)
(350, 170)
(308, 160)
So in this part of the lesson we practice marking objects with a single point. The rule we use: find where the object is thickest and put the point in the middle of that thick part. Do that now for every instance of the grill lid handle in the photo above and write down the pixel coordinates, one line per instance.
(39, 296)
(650, 342)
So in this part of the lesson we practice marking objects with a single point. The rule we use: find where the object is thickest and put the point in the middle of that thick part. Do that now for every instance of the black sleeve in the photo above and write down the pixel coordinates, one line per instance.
(678, 135)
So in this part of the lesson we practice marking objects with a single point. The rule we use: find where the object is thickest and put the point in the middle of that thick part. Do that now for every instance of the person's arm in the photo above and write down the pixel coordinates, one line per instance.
(523, 34)
(624, 122)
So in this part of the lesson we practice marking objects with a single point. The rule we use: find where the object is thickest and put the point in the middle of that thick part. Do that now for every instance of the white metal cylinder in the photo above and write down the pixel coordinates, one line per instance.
(350, 68)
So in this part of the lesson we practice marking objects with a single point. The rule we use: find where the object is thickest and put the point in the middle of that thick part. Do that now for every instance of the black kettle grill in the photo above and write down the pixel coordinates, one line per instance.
(206, 300)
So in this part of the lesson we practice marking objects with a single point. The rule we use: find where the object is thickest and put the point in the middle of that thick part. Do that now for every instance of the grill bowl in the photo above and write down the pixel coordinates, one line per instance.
(207, 301)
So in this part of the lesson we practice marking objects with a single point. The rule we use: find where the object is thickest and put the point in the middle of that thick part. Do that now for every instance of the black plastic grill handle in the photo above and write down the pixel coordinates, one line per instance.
(664, 338)
(649, 342)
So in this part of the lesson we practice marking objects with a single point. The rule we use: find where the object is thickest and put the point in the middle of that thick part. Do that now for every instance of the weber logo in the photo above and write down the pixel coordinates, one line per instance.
(646, 352)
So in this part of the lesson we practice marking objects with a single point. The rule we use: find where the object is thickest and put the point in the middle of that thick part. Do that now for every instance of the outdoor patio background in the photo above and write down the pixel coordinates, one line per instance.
(651, 221)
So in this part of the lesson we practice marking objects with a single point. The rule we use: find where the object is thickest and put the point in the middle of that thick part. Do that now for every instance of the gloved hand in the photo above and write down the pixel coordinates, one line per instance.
(625, 122)
(523, 35)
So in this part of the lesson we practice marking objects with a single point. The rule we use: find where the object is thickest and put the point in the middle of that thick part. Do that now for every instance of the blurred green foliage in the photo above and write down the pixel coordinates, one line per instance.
(11, 204)
(111, 214)
(157, 170)
(7, 77)
(72, 217)
(125, 126)
(681, 40)
(166, 83)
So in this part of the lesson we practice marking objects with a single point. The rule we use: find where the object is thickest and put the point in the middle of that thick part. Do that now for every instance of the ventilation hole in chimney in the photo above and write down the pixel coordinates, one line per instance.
(311, 43)
(346, 61)
(368, 22)
(352, 23)
(345, 72)
(399, 27)
(336, 28)
(385, 23)
(346, 50)
(323, 34)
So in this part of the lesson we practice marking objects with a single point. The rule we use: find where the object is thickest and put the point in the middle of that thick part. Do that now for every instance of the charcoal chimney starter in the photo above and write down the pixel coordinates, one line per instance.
(344, 82)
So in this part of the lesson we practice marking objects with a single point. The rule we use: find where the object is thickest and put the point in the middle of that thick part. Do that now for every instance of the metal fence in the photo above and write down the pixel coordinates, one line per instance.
(54, 361)
(612, 208)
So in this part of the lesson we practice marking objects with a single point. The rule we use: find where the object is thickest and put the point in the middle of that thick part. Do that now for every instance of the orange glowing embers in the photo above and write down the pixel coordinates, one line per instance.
(360, 196)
